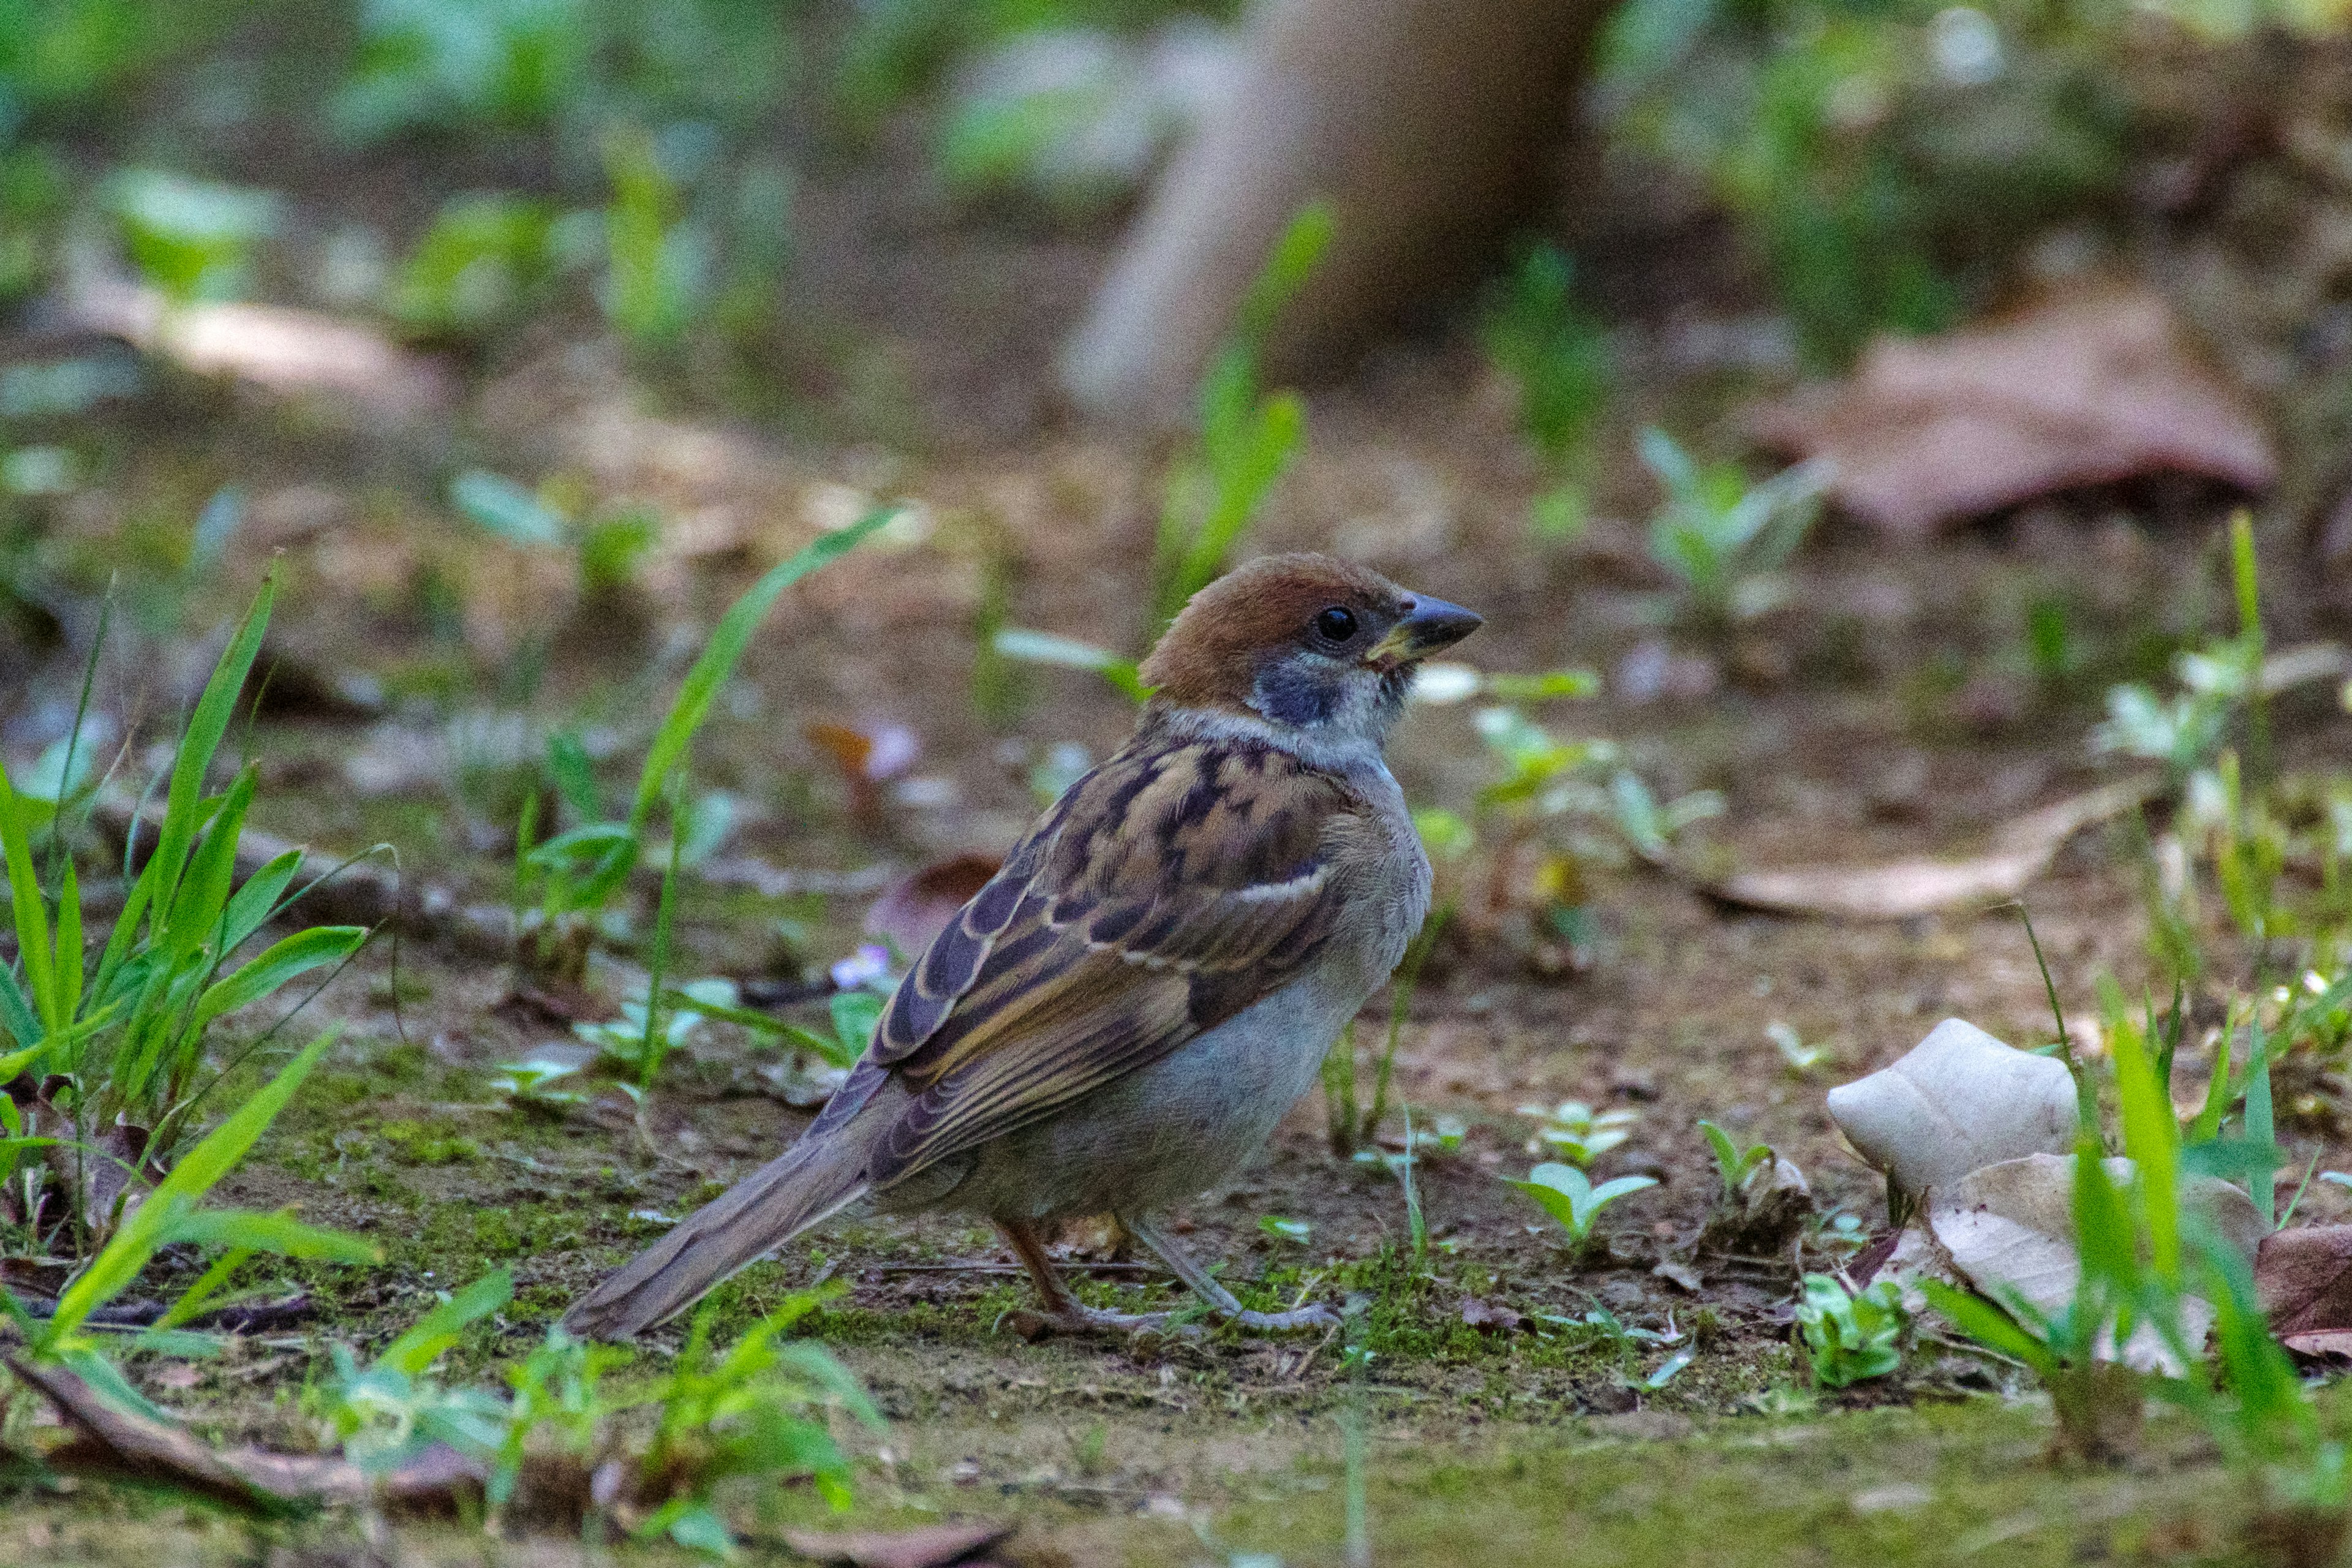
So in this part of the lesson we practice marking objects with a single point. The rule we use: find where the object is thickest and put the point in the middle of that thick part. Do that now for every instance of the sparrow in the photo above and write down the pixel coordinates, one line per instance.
(1117, 1020)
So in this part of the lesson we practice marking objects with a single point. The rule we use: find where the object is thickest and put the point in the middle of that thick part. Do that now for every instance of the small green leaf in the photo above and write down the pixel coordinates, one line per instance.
(279, 963)
(505, 508)
(427, 1338)
(727, 641)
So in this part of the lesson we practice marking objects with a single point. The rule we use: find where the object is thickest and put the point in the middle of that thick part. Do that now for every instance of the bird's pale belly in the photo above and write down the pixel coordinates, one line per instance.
(1169, 1130)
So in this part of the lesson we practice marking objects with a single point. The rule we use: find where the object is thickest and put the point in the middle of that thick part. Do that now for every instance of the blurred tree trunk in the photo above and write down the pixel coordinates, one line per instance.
(1428, 124)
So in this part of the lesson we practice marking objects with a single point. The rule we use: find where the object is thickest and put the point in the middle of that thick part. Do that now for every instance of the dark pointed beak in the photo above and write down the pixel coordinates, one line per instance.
(1429, 625)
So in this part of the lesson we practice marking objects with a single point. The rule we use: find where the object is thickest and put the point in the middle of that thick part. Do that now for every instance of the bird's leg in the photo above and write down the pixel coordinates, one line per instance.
(1063, 1310)
(1219, 1300)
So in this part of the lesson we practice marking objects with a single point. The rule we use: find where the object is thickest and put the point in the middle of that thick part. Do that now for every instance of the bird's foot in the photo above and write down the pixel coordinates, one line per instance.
(1075, 1318)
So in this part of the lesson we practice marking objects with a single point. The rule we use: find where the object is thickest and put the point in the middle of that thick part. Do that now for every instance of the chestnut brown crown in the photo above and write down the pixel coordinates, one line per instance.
(1266, 635)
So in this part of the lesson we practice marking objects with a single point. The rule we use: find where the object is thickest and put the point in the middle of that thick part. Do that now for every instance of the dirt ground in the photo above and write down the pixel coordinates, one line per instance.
(1889, 710)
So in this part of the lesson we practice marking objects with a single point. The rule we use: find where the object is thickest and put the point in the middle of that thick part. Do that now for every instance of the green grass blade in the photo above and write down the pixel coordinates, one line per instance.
(120, 942)
(192, 1300)
(1026, 645)
(194, 916)
(275, 965)
(2152, 1139)
(184, 801)
(66, 972)
(25, 896)
(121, 1259)
(1989, 1326)
(16, 1013)
(727, 640)
(257, 901)
(2261, 1125)
(2208, 1125)
(437, 1330)
(104, 1377)
(277, 1232)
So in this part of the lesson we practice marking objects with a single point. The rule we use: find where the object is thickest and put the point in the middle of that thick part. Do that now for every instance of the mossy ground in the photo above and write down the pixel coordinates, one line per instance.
(1898, 703)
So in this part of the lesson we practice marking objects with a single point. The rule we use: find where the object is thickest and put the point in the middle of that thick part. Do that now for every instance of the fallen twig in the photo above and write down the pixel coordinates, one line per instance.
(121, 1444)
(363, 893)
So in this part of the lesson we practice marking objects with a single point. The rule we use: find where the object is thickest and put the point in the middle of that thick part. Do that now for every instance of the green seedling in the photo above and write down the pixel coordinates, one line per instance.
(1023, 646)
(2235, 824)
(2265, 1423)
(172, 1215)
(1850, 1338)
(535, 1083)
(1575, 1131)
(755, 1411)
(1724, 540)
(1347, 1130)
(1558, 792)
(610, 547)
(659, 258)
(1884, 222)
(2135, 1249)
(571, 876)
(1733, 1163)
(506, 63)
(1569, 1195)
(118, 1037)
(385, 1415)
(1248, 437)
(2220, 686)
(1402, 1165)
(192, 240)
(1248, 440)
(635, 1045)
(1802, 1058)
(1558, 357)
(1601, 1326)
(485, 262)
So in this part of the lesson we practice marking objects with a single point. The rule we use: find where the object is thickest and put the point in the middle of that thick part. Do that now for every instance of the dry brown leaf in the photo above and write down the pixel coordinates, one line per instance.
(1897, 890)
(2305, 1278)
(934, 1546)
(918, 906)
(1490, 1316)
(284, 351)
(2089, 388)
(1682, 1274)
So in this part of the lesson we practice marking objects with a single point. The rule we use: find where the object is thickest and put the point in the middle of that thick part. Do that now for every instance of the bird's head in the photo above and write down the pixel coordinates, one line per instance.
(1306, 642)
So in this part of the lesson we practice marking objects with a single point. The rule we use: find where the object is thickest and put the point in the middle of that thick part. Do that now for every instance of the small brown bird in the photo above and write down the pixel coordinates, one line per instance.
(1119, 1019)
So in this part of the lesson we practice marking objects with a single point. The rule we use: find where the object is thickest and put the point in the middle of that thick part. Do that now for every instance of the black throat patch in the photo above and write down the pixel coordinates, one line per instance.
(1289, 695)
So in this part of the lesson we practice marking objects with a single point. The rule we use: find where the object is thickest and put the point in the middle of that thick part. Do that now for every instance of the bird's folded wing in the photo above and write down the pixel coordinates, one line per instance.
(1170, 889)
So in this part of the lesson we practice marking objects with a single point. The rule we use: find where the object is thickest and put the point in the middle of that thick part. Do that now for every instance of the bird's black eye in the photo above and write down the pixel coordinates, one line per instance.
(1337, 623)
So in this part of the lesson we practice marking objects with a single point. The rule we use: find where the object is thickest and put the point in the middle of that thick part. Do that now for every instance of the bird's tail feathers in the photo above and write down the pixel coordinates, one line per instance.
(804, 1186)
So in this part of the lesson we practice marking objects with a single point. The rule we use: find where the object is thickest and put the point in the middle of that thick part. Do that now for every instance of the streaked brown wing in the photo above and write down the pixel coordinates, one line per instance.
(1166, 892)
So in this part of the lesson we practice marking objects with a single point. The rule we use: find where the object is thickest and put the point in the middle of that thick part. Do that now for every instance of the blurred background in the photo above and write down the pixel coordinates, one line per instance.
(1839, 399)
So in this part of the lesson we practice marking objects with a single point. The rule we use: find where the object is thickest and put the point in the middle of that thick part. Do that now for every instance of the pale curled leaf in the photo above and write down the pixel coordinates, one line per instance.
(2019, 852)
(1958, 1100)
(2009, 1227)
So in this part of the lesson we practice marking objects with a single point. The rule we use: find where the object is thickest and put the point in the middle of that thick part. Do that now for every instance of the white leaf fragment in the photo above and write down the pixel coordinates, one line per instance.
(1960, 1100)
(2008, 1229)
